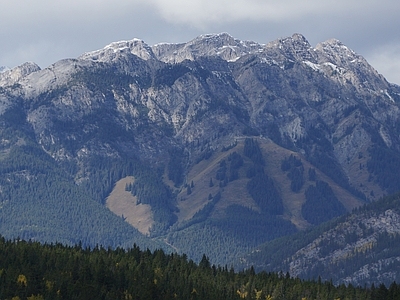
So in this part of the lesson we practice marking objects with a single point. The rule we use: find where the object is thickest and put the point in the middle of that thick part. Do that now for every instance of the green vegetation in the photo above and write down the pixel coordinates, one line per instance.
(176, 166)
(254, 227)
(262, 190)
(275, 252)
(321, 204)
(228, 171)
(252, 150)
(226, 238)
(29, 270)
(235, 163)
(50, 201)
(260, 186)
(150, 189)
(40, 201)
(294, 168)
(226, 234)
(319, 152)
(384, 165)
(169, 74)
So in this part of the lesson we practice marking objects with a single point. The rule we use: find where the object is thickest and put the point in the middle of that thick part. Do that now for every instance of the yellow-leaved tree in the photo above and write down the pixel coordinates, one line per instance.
(22, 280)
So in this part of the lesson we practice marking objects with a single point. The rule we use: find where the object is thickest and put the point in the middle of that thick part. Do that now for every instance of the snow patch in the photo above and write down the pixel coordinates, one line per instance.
(234, 59)
(313, 66)
(135, 46)
(333, 66)
(386, 93)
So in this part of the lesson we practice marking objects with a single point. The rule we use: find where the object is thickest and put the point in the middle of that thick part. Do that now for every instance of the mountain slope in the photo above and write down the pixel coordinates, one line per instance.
(361, 248)
(230, 143)
(40, 201)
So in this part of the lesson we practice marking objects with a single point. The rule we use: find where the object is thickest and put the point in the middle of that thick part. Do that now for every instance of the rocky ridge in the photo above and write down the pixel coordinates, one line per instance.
(12, 76)
(222, 45)
(364, 232)
(358, 249)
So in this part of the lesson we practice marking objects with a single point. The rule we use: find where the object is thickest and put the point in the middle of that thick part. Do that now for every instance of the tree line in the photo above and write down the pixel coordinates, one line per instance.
(30, 270)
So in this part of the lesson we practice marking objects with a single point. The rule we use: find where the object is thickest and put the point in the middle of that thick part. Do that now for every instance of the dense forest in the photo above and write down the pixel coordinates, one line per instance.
(30, 270)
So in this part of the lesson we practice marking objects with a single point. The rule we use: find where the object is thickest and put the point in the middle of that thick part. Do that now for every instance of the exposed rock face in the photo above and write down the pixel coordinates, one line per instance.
(359, 249)
(360, 235)
(109, 53)
(9, 77)
(216, 81)
(222, 45)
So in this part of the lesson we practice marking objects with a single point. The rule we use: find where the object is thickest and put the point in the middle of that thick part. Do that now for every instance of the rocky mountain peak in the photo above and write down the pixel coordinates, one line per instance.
(296, 41)
(219, 38)
(114, 50)
(222, 45)
(348, 66)
(337, 53)
(295, 47)
(11, 76)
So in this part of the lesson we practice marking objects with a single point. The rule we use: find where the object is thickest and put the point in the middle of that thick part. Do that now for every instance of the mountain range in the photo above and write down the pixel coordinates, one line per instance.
(214, 146)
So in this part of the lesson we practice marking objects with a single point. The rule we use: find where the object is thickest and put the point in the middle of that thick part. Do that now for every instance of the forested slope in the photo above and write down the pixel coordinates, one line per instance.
(41, 201)
(29, 270)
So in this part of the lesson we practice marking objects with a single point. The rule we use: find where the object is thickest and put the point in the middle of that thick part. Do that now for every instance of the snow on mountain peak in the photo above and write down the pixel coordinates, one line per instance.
(330, 57)
(222, 45)
(11, 76)
(215, 37)
(337, 52)
(135, 46)
(293, 48)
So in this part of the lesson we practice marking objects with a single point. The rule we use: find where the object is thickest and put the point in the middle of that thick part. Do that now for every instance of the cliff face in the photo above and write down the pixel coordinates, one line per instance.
(186, 111)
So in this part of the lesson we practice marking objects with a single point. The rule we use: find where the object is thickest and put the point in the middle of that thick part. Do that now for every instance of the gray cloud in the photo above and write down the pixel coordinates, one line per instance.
(45, 31)
(200, 13)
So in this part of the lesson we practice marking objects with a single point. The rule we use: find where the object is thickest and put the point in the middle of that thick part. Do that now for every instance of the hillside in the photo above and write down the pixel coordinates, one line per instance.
(226, 144)
(221, 203)
(360, 248)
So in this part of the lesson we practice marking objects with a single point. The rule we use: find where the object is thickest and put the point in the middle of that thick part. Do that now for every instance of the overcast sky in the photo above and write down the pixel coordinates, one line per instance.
(45, 31)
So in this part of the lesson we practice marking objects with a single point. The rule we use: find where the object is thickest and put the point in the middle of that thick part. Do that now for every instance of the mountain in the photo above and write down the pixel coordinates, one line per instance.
(360, 248)
(11, 76)
(213, 146)
(3, 69)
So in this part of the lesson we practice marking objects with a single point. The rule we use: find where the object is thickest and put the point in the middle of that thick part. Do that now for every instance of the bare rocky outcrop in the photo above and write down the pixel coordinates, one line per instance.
(357, 235)
(12, 76)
